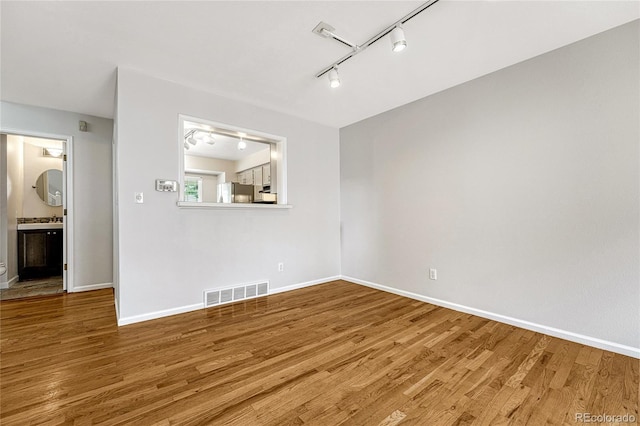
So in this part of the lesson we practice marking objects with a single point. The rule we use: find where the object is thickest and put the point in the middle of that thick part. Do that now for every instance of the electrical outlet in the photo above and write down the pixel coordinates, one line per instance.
(281, 267)
(433, 274)
(139, 197)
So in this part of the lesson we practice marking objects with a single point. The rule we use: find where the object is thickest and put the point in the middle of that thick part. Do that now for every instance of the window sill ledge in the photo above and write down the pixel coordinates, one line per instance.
(251, 206)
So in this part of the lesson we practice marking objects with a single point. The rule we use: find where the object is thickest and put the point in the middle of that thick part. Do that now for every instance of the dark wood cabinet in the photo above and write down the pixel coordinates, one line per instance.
(39, 253)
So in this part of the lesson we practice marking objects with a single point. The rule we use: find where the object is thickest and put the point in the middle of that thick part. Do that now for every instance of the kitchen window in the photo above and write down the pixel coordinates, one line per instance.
(193, 189)
(224, 166)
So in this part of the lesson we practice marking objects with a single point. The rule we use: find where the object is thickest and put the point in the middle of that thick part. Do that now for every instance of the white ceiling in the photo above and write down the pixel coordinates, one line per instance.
(225, 148)
(63, 55)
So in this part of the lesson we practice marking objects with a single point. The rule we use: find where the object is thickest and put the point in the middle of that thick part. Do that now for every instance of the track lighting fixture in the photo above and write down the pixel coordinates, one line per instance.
(398, 41)
(196, 135)
(334, 78)
(186, 146)
(241, 144)
(395, 31)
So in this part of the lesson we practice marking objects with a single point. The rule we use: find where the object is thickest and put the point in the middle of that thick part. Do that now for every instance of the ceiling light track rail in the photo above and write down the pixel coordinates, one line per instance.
(325, 30)
(231, 134)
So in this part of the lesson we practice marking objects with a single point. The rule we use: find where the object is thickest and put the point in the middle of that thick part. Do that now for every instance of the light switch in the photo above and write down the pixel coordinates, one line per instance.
(433, 274)
(139, 197)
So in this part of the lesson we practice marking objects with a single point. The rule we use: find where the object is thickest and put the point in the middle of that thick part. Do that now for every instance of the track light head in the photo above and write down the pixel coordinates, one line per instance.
(334, 79)
(195, 136)
(242, 144)
(210, 139)
(186, 146)
(398, 40)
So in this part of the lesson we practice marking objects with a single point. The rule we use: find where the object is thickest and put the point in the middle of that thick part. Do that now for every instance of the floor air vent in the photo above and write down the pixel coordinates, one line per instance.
(220, 296)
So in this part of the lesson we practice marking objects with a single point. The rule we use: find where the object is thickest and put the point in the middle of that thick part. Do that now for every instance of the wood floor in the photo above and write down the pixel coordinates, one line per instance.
(336, 353)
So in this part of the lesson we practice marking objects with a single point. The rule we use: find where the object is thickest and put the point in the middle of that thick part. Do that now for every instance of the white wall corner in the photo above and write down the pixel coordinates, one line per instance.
(551, 331)
(303, 285)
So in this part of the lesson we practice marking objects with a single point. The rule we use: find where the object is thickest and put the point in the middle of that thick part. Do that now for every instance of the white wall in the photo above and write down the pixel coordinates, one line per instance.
(92, 208)
(169, 255)
(3, 208)
(254, 160)
(520, 187)
(209, 186)
(15, 202)
(15, 175)
(8, 211)
(194, 162)
(209, 189)
(13, 192)
(210, 182)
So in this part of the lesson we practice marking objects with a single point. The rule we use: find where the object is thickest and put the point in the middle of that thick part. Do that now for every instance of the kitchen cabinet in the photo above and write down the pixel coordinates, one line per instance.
(39, 253)
(257, 176)
(260, 175)
(246, 177)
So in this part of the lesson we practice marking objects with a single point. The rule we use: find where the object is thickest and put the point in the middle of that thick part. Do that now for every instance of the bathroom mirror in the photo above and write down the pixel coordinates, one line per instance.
(49, 187)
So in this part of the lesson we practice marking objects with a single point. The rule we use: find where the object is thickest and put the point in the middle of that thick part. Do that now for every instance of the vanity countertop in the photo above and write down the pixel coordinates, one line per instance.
(50, 225)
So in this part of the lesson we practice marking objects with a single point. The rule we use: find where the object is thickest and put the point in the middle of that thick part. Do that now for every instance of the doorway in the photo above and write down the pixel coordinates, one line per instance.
(35, 227)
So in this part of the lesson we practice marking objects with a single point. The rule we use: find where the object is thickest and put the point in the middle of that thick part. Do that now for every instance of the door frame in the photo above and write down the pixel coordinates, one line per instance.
(67, 198)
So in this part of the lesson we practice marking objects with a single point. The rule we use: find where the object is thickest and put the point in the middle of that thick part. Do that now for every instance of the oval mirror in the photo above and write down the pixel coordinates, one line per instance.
(49, 187)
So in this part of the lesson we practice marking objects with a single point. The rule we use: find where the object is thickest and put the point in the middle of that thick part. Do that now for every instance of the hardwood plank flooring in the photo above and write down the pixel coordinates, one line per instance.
(336, 353)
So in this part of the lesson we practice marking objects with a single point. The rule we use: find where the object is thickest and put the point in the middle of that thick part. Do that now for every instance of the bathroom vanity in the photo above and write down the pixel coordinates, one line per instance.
(40, 247)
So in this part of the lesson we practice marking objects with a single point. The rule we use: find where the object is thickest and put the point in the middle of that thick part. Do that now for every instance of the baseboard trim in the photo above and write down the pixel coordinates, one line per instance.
(159, 314)
(551, 331)
(195, 307)
(90, 287)
(8, 284)
(303, 285)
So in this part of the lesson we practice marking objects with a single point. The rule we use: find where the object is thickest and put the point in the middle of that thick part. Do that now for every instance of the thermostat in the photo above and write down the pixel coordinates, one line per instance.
(166, 185)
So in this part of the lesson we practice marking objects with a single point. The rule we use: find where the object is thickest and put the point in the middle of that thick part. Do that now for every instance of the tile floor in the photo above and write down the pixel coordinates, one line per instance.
(31, 288)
